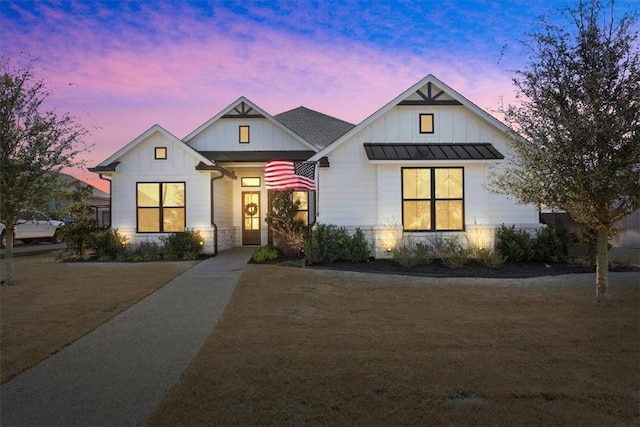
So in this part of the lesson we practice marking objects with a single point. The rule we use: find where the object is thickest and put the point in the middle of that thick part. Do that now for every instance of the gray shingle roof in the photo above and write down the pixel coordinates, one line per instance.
(317, 128)
(429, 151)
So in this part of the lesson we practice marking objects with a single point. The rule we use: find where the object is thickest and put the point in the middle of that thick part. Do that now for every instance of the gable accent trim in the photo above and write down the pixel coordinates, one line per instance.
(497, 124)
(430, 102)
(430, 151)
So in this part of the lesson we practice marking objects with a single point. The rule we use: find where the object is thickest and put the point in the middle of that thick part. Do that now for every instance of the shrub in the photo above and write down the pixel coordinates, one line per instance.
(77, 235)
(109, 245)
(340, 244)
(515, 245)
(144, 251)
(316, 244)
(410, 254)
(451, 251)
(283, 221)
(265, 253)
(327, 243)
(489, 258)
(550, 245)
(184, 245)
(360, 249)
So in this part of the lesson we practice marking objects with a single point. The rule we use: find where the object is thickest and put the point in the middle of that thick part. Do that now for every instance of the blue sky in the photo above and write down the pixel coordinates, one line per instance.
(121, 67)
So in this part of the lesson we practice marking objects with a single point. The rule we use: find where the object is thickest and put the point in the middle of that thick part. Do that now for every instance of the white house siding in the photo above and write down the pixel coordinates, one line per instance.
(223, 135)
(348, 188)
(139, 165)
(355, 192)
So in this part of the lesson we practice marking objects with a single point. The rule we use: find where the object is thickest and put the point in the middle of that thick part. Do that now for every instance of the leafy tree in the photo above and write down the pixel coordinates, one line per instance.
(35, 145)
(578, 114)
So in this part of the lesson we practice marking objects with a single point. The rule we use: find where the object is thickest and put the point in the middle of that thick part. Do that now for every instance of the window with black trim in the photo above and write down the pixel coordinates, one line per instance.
(160, 153)
(250, 181)
(160, 207)
(426, 123)
(243, 134)
(433, 199)
(302, 197)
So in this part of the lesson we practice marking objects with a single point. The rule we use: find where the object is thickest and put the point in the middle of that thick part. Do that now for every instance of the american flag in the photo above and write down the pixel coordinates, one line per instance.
(287, 175)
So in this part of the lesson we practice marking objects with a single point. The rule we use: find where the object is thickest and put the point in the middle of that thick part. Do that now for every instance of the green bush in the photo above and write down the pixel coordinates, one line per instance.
(184, 245)
(340, 244)
(78, 235)
(550, 245)
(144, 251)
(327, 243)
(316, 244)
(515, 245)
(410, 254)
(451, 251)
(489, 258)
(109, 245)
(265, 253)
(360, 249)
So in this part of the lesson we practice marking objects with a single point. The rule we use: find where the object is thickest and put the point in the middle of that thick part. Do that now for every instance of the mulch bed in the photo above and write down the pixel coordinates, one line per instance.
(509, 270)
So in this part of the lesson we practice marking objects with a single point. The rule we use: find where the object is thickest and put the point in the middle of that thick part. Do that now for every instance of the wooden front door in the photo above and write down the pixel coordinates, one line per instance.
(251, 218)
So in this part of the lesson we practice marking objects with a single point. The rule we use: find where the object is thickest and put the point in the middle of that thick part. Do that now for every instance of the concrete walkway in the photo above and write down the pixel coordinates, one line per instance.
(119, 373)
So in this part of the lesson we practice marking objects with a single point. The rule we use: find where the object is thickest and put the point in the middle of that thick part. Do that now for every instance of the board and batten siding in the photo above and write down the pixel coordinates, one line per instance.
(139, 165)
(355, 192)
(223, 135)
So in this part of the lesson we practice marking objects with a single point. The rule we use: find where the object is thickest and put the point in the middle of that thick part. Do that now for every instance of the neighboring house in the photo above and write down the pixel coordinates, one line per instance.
(97, 199)
(418, 165)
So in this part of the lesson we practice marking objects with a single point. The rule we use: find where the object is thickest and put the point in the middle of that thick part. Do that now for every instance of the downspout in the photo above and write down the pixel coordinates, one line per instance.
(213, 224)
(109, 181)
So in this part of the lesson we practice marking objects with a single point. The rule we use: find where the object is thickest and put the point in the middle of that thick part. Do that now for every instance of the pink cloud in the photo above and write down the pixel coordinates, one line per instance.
(188, 70)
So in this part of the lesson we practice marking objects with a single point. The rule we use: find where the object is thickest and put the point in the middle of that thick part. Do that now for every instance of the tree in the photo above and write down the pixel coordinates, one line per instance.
(576, 126)
(78, 233)
(35, 145)
(283, 221)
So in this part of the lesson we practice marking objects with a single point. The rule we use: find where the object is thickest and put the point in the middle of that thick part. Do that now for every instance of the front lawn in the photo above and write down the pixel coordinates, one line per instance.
(300, 346)
(54, 304)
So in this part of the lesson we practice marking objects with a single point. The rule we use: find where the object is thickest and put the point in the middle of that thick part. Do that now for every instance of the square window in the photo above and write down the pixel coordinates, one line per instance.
(433, 199)
(244, 134)
(161, 207)
(426, 123)
(161, 153)
(250, 181)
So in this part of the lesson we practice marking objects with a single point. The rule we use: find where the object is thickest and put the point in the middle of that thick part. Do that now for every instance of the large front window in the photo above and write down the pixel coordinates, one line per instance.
(432, 199)
(161, 207)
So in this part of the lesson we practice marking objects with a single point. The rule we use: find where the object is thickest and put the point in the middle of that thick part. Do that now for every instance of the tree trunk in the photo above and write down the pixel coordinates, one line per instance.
(7, 277)
(602, 264)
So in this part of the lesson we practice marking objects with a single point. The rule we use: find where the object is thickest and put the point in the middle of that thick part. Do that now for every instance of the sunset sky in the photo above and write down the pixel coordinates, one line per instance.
(121, 67)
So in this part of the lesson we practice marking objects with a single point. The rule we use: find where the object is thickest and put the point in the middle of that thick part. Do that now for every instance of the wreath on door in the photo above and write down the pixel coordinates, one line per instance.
(251, 209)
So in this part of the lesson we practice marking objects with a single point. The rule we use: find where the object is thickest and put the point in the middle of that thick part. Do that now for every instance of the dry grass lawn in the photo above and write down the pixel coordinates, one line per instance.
(54, 304)
(304, 346)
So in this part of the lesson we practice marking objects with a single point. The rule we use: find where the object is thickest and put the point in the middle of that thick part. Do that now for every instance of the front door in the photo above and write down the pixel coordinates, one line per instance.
(251, 218)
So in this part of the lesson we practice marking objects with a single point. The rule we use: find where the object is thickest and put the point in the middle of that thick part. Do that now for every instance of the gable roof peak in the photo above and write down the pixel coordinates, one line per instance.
(403, 99)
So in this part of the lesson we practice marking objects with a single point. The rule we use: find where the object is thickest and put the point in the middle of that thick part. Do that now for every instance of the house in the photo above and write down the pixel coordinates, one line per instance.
(418, 165)
(97, 199)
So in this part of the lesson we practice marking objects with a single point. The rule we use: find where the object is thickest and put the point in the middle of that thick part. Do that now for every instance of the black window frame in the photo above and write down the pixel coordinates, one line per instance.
(433, 124)
(160, 206)
(240, 141)
(433, 199)
(155, 153)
